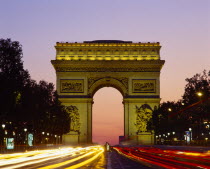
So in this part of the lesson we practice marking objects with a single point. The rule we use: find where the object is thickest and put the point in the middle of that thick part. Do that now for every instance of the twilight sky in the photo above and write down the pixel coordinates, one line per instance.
(181, 26)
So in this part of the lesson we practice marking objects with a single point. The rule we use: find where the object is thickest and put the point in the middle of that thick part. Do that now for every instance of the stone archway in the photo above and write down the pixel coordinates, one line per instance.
(135, 75)
(96, 83)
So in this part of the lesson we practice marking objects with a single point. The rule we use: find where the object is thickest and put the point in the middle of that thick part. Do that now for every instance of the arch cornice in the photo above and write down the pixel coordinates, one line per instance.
(119, 83)
(108, 66)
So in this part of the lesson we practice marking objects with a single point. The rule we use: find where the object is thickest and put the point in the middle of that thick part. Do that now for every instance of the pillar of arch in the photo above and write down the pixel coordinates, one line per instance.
(135, 76)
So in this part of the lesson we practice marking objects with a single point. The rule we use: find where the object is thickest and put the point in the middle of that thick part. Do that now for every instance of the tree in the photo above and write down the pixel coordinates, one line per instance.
(199, 106)
(13, 77)
(190, 112)
(197, 83)
(24, 103)
(163, 119)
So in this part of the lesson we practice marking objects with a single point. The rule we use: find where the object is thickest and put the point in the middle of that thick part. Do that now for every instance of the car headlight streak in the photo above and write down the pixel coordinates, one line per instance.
(11, 161)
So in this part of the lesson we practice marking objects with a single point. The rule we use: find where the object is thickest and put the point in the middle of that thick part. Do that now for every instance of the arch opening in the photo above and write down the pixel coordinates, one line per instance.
(109, 82)
(107, 116)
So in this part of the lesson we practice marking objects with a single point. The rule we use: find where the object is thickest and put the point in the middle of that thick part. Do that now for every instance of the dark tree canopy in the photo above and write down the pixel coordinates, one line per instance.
(24, 103)
(197, 83)
(13, 77)
(192, 111)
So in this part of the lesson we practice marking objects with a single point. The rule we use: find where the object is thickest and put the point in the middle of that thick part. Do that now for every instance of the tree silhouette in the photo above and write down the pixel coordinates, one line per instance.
(24, 103)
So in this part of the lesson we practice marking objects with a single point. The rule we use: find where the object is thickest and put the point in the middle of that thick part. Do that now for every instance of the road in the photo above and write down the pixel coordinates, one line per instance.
(94, 157)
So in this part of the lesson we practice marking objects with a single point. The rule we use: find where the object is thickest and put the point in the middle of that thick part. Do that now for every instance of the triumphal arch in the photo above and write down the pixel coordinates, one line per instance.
(132, 68)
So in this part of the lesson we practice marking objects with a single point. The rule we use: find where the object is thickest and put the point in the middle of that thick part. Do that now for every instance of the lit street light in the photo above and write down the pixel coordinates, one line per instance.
(3, 126)
(55, 139)
(25, 129)
(190, 129)
(199, 94)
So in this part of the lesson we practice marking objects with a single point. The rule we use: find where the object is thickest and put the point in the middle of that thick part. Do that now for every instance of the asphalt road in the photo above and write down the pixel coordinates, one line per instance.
(117, 161)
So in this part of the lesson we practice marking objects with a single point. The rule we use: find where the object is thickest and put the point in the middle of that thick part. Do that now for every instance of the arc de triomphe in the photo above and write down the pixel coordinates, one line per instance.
(132, 68)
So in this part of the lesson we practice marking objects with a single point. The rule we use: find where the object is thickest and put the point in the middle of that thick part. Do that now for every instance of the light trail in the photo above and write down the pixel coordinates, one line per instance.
(45, 156)
(87, 161)
(34, 155)
(17, 160)
(170, 159)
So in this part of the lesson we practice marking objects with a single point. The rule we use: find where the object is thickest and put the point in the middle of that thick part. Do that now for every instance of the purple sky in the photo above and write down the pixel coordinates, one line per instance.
(181, 26)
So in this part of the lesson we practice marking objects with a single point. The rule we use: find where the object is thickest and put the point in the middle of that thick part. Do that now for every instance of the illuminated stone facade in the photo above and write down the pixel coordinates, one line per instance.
(132, 68)
(109, 50)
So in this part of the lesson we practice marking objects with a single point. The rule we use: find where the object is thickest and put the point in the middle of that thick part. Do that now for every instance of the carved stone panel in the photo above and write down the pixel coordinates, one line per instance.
(71, 86)
(144, 86)
(144, 115)
(74, 118)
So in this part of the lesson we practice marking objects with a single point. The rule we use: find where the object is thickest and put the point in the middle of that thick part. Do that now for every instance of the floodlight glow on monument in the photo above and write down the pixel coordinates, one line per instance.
(132, 68)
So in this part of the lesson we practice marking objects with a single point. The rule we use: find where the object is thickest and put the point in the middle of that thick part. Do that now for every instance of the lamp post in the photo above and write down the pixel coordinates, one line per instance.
(59, 141)
(42, 139)
(200, 94)
(206, 140)
(55, 139)
(190, 129)
(156, 139)
(48, 134)
(25, 129)
(173, 137)
(3, 126)
(169, 138)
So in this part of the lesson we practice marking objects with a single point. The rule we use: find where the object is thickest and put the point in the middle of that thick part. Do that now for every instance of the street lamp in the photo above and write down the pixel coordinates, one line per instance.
(55, 139)
(199, 94)
(42, 139)
(25, 129)
(190, 129)
(200, 120)
(3, 126)
(169, 109)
